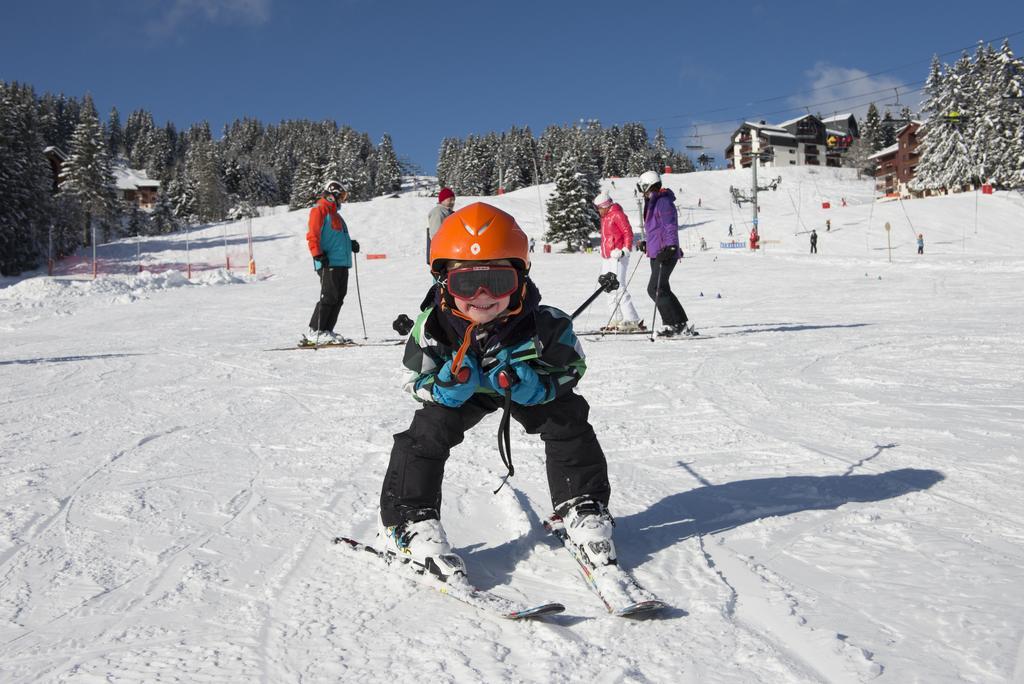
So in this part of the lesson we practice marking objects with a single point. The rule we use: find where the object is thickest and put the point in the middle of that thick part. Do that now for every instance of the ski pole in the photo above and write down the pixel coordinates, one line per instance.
(359, 298)
(608, 283)
(622, 294)
(320, 307)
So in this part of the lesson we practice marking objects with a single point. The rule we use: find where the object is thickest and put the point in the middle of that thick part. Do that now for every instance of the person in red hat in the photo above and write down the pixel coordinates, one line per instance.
(445, 202)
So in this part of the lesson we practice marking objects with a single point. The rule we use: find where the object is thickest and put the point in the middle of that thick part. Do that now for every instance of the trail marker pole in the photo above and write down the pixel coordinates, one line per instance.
(888, 239)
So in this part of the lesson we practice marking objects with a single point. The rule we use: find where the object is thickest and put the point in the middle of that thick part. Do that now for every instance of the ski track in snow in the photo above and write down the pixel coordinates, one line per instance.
(825, 489)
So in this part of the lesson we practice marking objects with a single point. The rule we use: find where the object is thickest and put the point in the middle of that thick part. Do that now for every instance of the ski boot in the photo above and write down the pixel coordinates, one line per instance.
(423, 543)
(589, 526)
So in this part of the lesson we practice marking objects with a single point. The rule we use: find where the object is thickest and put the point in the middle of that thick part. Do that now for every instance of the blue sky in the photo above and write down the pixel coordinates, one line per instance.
(422, 71)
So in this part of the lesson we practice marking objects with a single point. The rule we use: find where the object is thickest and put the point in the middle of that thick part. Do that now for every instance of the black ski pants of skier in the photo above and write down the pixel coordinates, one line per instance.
(333, 287)
(672, 312)
(814, 248)
(575, 462)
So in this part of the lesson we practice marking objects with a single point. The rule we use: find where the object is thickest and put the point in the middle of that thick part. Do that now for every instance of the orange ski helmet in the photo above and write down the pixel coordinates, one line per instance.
(479, 232)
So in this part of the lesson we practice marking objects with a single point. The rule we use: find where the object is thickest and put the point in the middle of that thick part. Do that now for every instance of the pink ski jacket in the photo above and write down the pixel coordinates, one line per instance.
(616, 233)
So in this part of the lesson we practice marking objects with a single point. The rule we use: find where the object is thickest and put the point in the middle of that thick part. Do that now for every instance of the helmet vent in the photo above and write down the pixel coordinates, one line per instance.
(475, 231)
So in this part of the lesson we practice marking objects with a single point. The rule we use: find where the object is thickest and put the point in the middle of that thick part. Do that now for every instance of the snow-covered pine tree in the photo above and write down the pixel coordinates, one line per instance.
(639, 161)
(137, 221)
(448, 162)
(570, 212)
(258, 186)
(956, 122)
(888, 128)
(474, 168)
(551, 148)
(159, 153)
(636, 139)
(138, 137)
(584, 151)
(1003, 150)
(86, 175)
(181, 193)
(162, 220)
(306, 185)
(927, 175)
(203, 166)
(115, 134)
(389, 172)
(615, 153)
(871, 130)
(25, 199)
(661, 154)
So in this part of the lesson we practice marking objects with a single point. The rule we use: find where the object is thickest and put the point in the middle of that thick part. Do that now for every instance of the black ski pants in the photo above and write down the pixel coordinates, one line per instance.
(333, 287)
(672, 312)
(575, 462)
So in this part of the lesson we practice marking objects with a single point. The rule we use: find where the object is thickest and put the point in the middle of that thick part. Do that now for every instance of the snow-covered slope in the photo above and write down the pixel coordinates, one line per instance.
(826, 485)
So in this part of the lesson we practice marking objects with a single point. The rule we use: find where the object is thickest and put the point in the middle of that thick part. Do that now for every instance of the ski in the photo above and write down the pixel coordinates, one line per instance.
(458, 588)
(621, 594)
(603, 333)
(368, 343)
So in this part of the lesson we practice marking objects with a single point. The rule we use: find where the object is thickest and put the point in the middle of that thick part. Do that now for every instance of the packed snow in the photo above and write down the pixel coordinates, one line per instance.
(825, 485)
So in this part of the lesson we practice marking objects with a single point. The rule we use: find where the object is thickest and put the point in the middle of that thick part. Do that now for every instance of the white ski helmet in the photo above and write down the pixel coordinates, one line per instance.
(648, 179)
(333, 187)
(602, 199)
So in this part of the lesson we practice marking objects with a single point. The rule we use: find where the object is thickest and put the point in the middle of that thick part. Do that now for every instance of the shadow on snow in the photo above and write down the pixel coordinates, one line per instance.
(718, 508)
(63, 359)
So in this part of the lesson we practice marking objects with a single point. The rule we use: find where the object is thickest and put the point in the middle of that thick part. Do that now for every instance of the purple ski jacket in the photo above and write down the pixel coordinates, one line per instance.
(661, 225)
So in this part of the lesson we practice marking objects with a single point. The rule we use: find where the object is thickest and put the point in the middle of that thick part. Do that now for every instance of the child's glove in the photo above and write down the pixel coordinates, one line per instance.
(528, 388)
(355, 246)
(448, 391)
(616, 253)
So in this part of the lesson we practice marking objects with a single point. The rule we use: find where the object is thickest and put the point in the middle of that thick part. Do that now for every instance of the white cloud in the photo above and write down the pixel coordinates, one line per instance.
(226, 12)
(838, 90)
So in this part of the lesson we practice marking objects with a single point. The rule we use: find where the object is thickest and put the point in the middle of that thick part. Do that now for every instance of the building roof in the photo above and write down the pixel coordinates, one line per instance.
(132, 179)
(53, 149)
(885, 151)
(908, 125)
(837, 117)
(764, 127)
(790, 122)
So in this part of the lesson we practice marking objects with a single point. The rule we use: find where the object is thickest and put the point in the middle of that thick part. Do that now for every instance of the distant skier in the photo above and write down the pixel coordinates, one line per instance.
(533, 243)
(730, 230)
(755, 238)
(661, 244)
(487, 342)
(332, 248)
(616, 244)
(814, 241)
(920, 243)
(441, 211)
(828, 225)
(703, 244)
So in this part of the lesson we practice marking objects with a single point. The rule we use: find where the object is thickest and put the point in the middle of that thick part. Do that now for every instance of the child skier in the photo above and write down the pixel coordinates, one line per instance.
(486, 342)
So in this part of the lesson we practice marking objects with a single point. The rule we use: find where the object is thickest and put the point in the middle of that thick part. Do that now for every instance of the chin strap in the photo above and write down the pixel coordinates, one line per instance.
(506, 378)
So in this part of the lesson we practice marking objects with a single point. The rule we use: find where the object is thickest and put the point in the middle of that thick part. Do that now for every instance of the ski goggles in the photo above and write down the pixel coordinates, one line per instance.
(497, 281)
